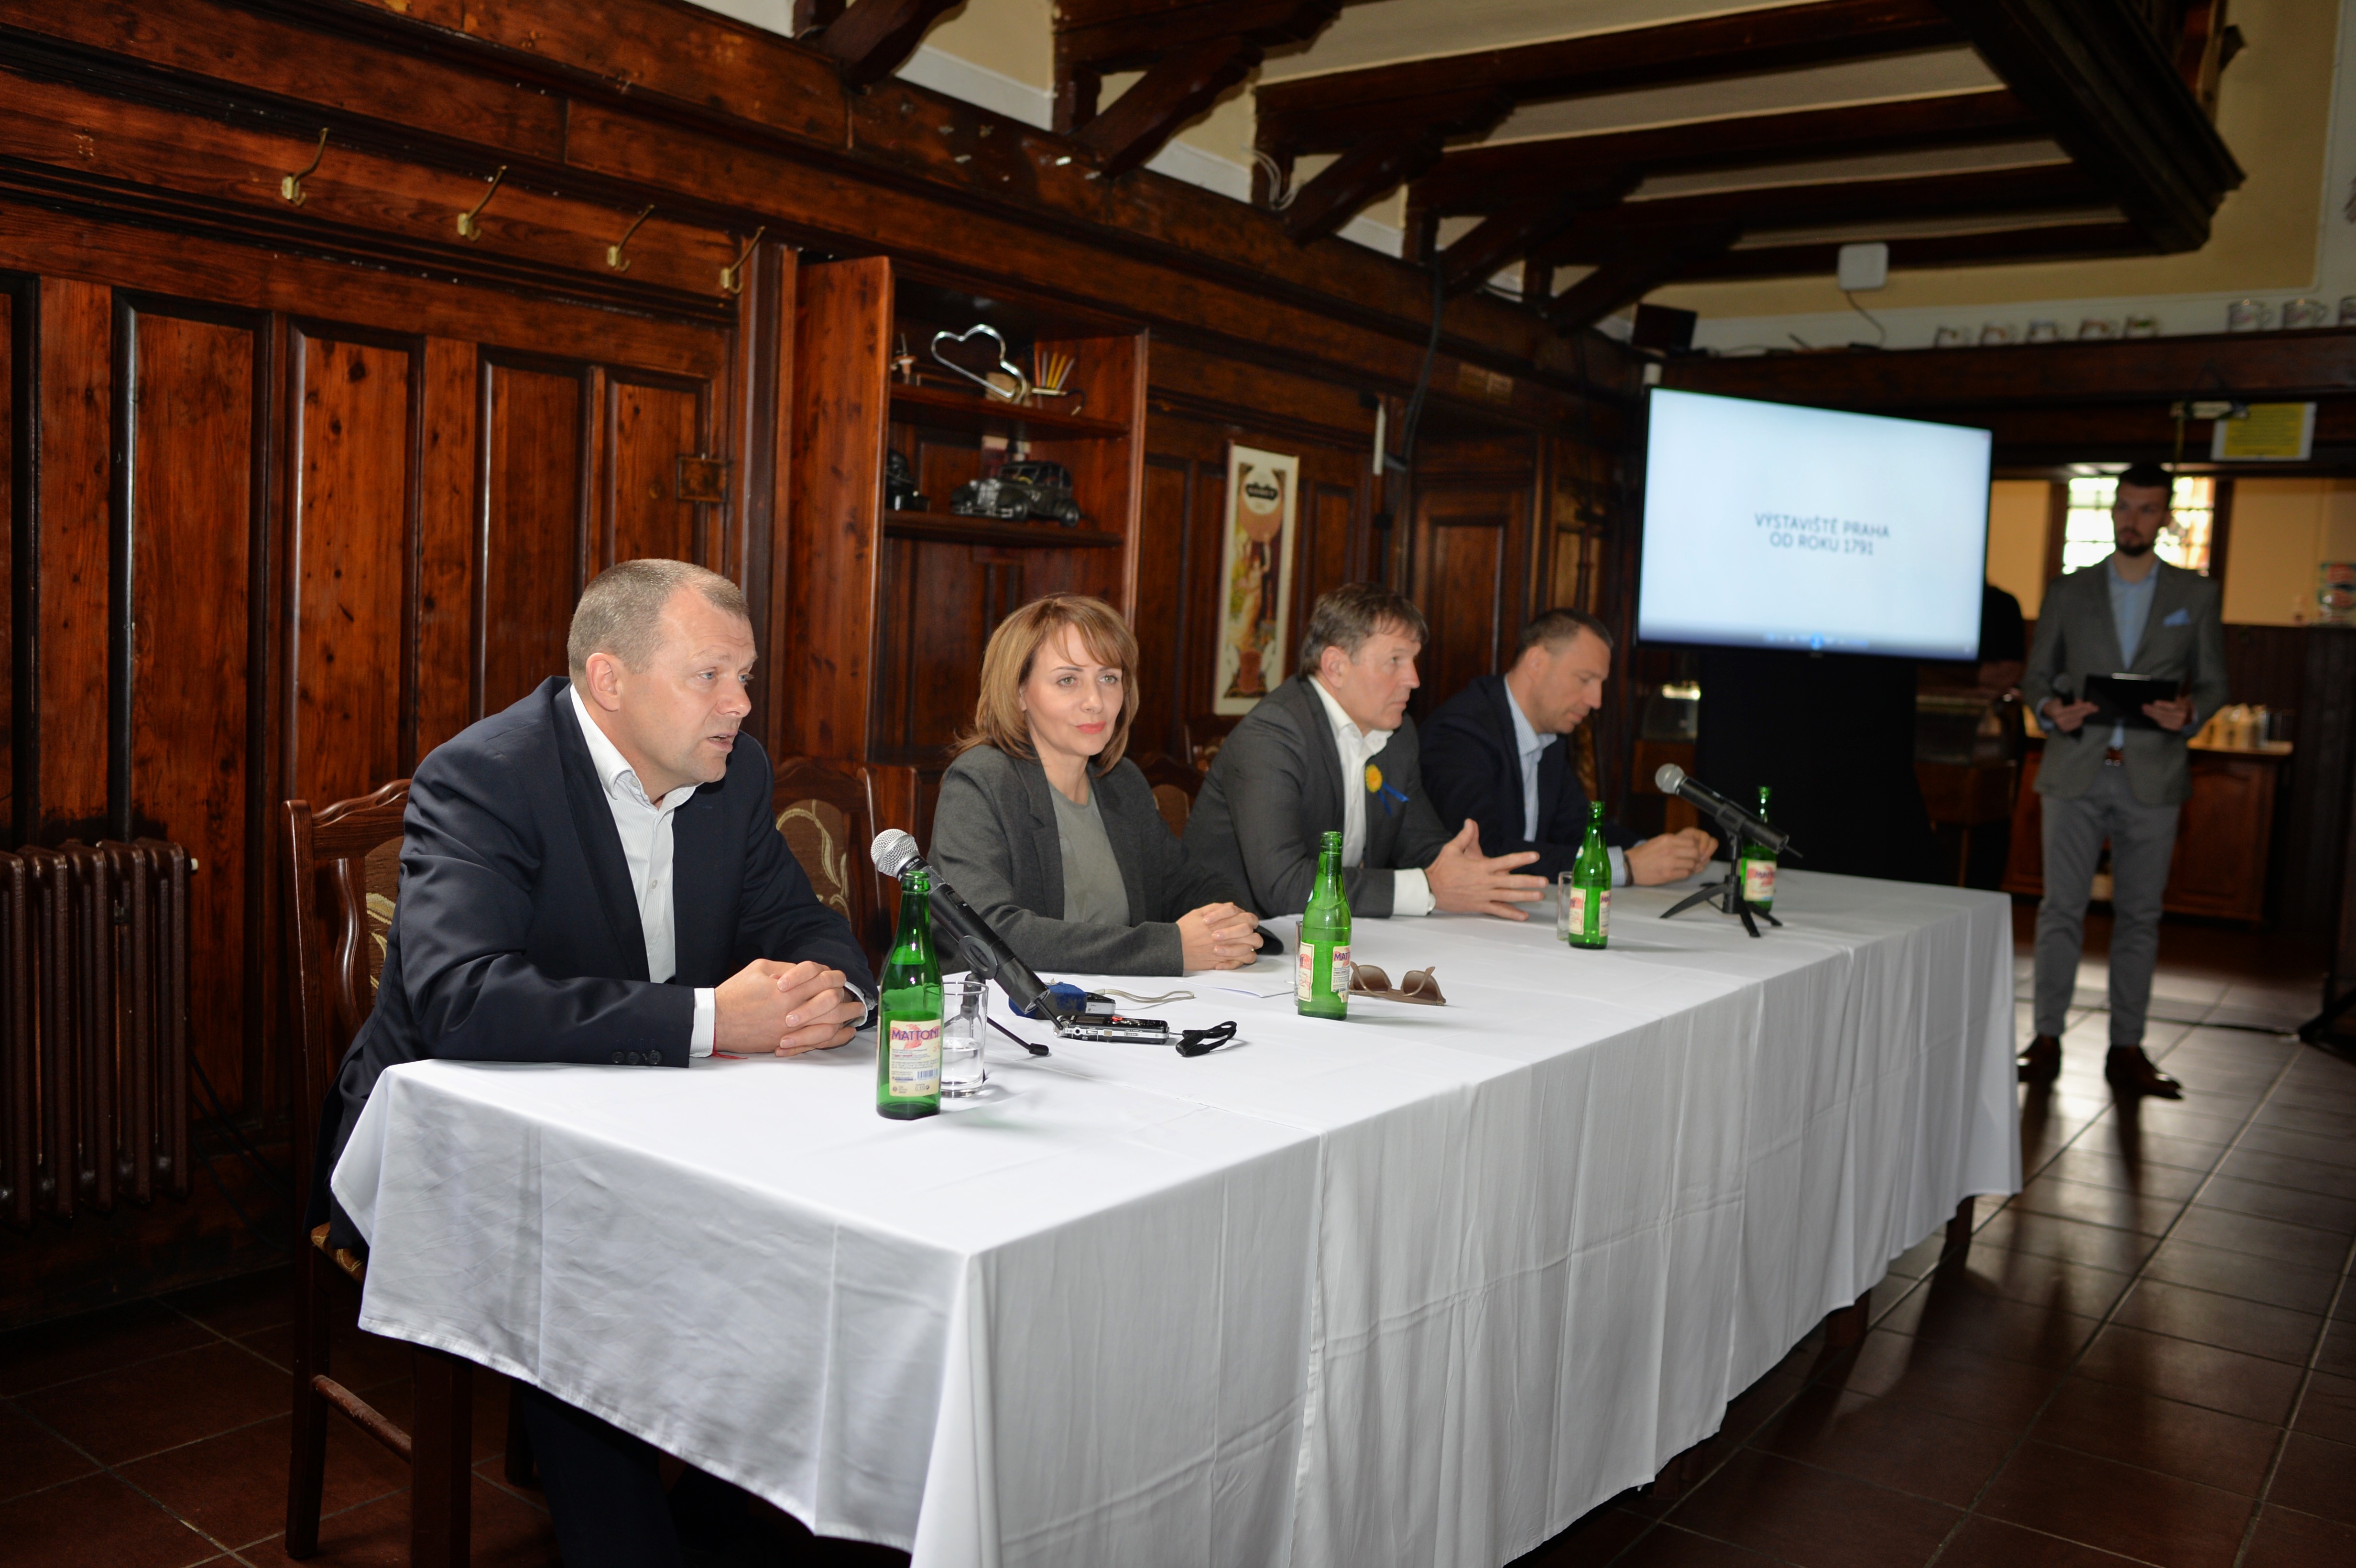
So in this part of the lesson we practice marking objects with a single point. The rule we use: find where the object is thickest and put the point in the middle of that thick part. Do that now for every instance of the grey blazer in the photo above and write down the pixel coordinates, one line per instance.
(2076, 637)
(994, 841)
(1276, 788)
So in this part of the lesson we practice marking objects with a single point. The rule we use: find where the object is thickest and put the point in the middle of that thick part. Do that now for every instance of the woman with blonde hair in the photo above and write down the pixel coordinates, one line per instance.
(1053, 837)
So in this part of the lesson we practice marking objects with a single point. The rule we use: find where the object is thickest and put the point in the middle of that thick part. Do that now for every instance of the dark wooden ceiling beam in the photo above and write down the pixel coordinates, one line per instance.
(1180, 86)
(1637, 265)
(1190, 51)
(1509, 234)
(1481, 179)
(1105, 36)
(2038, 187)
(2053, 242)
(1334, 195)
(873, 38)
(2107, 89)
(1330, 114)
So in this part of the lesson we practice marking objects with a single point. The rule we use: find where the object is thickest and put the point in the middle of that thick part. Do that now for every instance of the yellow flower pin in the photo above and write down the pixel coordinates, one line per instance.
(1374, 779)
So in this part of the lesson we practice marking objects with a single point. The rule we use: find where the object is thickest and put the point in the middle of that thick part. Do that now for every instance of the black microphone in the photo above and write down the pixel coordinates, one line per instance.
(1735, 820)
(894, 852)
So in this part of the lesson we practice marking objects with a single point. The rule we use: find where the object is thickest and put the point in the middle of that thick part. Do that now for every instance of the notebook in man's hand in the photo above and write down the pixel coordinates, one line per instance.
(2120, 698)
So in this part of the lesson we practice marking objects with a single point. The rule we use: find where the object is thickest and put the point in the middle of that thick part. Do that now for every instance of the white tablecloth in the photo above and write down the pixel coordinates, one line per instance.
(1420, 1288)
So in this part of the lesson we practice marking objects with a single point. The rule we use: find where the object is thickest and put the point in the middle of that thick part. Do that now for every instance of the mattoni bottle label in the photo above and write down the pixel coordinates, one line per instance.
(1578, 897)
(915, 1069)
(1304, 973)
(1757, 882)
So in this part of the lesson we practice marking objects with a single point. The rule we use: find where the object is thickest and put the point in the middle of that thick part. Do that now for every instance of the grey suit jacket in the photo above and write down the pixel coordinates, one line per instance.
(994, 841)
(2077, 636)
(1275, 789)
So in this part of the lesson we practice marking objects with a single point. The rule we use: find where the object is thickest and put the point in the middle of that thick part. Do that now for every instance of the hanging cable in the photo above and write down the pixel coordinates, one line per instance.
(1883, 339)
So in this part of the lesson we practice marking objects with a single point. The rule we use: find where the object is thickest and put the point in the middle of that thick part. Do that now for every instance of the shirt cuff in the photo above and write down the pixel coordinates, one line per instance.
(867, 1019)
(1620, 865)
(707, 1022)
(1410, 893)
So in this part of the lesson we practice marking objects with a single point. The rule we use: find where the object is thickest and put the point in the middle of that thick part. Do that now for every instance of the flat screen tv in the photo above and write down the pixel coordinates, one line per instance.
(1768, 525)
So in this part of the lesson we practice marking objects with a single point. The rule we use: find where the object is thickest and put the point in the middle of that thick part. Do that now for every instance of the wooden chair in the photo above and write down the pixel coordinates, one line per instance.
(828, 812)
(1176, 784)
(352, 850)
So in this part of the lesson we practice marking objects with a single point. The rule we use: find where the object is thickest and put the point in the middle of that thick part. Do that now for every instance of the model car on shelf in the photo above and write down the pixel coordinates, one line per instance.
(900, 492)
(1019, 490)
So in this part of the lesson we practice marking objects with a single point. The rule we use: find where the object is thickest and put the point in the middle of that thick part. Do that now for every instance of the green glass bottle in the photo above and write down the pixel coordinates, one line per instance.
(1757, 867)
(1589, 923)
(1320, 986)
(908, 1016)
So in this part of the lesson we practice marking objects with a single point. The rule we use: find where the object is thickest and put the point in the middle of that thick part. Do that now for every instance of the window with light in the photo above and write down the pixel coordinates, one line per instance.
(2086, 536)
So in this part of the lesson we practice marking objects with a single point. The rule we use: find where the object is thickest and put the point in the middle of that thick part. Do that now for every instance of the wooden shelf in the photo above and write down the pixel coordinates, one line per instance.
(942, 408)
(948, 528)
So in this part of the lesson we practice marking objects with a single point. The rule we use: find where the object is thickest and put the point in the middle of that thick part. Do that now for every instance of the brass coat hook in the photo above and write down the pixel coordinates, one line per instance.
(291, 185)
(731, 276)
(613, 257)
(468, 228)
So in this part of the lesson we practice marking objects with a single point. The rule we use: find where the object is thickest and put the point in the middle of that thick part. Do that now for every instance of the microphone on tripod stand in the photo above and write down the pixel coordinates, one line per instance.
(1738, 821)
(894, 852)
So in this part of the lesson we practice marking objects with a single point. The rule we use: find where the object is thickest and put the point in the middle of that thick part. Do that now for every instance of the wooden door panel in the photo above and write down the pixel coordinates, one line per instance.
(353, 461)
(8, 326)
(188, 435)
(1462, 548)
(941, 604)
(648, 425)
(535, 521)
(1162, 606)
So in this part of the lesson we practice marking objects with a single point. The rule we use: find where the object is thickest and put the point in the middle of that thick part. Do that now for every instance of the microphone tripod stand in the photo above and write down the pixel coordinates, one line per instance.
(1726, 894)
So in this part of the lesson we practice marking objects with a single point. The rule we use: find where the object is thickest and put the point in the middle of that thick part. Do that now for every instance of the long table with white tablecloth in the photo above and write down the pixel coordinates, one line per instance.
(1420, 1287)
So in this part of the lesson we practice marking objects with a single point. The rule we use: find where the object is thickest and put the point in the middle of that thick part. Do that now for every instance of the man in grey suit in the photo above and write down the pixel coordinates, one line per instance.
(2135, 614)
(1333, 748)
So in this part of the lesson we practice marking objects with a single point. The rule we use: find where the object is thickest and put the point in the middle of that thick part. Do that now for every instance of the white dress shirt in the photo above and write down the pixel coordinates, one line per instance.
(1533, 746)
(645, 828)
(1410, 890)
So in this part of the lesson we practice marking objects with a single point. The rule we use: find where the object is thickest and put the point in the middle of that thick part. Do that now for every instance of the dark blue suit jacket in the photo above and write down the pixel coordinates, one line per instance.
(516, 936)
(1472, 766)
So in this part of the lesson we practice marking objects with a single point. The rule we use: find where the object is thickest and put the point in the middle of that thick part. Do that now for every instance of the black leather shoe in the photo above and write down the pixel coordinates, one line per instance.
(2041, 1063)
(2131, 1072)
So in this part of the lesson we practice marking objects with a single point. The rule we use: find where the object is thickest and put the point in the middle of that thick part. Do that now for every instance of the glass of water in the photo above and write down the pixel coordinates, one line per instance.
(965, 1005)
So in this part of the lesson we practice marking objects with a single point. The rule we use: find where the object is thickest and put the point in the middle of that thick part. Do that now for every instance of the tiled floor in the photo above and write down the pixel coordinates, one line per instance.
(2149, 1356)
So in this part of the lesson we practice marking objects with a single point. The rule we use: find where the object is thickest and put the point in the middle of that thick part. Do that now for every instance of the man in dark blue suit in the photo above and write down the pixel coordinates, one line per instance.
(594, 877)
(1498, 752)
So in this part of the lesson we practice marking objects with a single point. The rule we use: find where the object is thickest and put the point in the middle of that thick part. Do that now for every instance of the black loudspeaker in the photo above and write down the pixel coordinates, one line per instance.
(1664, 328)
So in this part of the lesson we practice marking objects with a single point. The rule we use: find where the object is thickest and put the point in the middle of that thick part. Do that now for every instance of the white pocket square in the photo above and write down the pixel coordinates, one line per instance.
(2178, 618)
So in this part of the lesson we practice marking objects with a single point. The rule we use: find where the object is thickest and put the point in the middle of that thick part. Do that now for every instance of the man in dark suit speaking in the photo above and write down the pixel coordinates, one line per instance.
(594, 877)
(1498, 753)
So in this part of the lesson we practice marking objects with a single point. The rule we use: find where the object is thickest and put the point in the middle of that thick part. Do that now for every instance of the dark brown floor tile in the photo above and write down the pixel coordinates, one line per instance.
(2328, 1409)
(157, 1405)
(1961, 1383)
(1669, 1547)
(2136, 1427)
(2248, 1164)
(2318, 1210)
(2250, 1327)
(490, 1411)
(2071, 1240)
(97, 1522)
(72, 1348)
(2322, 1149)
(1961, 1312)
(234, 1487)
(2297, 1114)
(2096, 1205)
(1593, 1541)
(1904, 1448)
(2153, 1148)
(2199, 1117)
(2337, 1354)
(1804, 1514)
(2269, 1239)
(2289, 1540)
(2053, 1284)
(2139, 1513)
(1923, 1256)
(507, 1533)
(1755, 1405)
(31, 1458)
(240, 1303)
(2099, 1168)
(357, 1360)
(2317, 1476)
(1986, 1542)
(2246, 1386)
(2236, 1273)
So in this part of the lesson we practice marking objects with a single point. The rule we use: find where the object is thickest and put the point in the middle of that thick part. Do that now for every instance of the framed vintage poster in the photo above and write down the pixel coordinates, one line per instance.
(1255, 577)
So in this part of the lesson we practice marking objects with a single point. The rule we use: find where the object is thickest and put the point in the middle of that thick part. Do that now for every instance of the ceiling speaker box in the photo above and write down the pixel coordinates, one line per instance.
(1664, 328)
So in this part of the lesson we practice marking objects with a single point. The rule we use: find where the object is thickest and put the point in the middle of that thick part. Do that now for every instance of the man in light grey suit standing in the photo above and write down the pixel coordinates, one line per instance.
(2131, 613)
